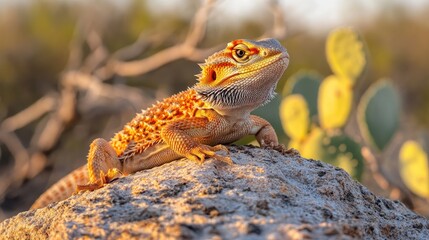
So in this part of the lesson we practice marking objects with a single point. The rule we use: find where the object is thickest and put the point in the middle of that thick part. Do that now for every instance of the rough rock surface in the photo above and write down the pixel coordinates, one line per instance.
(263, 195)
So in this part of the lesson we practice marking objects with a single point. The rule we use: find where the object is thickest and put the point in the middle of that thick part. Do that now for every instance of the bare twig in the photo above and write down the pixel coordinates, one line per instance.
(136, 48)
(395, 192)
(98, 55)
(188, 49)
(21, 160)
(58, 121)
(374, 168)
(145, 65)
(87, 82)
(30, 114)
(198, 25)
(279, 24)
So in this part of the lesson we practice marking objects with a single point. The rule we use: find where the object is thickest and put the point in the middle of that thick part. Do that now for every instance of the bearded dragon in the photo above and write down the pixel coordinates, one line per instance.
(193, 124)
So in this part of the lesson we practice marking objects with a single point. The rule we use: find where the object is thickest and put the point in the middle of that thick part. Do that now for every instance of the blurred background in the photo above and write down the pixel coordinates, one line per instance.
(73, 70)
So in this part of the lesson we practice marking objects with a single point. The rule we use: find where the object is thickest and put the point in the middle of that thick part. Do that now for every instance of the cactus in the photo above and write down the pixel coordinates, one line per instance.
(378, 114)
(344, 152)
(312, 146)
(335, 101)
(307, 98)
(307, 84)
(345, 54)
(414, 168)
(330, 100)
(294, 116)
(338, 150)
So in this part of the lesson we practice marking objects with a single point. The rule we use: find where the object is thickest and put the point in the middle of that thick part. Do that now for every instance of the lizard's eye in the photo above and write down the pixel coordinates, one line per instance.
(241, 53)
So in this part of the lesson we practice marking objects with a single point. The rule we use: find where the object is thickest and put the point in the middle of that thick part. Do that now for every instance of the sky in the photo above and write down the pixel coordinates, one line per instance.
(316, 15)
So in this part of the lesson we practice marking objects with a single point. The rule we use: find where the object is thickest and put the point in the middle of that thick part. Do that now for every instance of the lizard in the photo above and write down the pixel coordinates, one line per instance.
(195, 123)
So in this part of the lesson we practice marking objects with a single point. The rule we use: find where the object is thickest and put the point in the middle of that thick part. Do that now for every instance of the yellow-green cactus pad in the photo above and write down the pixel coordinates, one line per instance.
(294, 116)
(414, 168)
(312, 147)
(345, 54)
(296, 144)
(335, 100)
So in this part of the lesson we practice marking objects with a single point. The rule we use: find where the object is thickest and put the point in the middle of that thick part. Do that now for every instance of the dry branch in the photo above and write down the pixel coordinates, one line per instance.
(30, 114)
(21, 161)
(395, 192)
(188, 49)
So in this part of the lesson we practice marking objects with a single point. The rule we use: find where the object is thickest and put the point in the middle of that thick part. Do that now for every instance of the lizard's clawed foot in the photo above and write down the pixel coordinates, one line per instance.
(200, 153)
(111, 175)
(282, 149)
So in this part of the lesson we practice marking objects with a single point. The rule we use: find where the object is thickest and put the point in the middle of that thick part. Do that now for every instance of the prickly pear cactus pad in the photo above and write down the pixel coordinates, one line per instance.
(345, 54)
(295, 116)
(305, 83)
(335, 101)
(378, 114)
(414, 168)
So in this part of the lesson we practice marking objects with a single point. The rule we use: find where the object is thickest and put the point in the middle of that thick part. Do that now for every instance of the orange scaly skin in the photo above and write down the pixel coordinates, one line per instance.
(193, 123)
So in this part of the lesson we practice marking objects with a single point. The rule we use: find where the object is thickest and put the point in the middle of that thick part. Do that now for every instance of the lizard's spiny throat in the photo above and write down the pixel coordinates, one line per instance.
(251, 91)
(234, 96)
(226, 96)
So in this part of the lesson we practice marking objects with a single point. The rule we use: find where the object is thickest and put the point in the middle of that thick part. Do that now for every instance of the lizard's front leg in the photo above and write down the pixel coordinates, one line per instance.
(187, 136)
(265, 134)
(103, 165)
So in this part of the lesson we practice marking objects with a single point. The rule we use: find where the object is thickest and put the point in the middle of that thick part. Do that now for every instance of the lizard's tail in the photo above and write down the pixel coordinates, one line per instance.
(63, 189)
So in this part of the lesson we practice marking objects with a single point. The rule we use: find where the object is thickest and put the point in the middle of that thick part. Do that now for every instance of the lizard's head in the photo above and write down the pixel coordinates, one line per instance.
(243, 75)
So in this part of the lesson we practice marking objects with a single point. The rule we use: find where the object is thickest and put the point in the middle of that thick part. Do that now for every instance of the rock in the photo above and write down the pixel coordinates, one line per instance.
(263, 195)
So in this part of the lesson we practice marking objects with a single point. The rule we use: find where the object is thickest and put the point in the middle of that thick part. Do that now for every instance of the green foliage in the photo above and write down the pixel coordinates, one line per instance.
(33, 50)
(137, 19)
(414, 168)
(48, 28)
(378, 114)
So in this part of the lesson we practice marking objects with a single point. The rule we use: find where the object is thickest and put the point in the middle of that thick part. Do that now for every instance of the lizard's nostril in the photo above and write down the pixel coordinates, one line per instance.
(264, 53)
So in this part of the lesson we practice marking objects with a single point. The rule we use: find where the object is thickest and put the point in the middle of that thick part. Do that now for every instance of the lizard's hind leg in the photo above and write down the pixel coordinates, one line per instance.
(103, 165)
